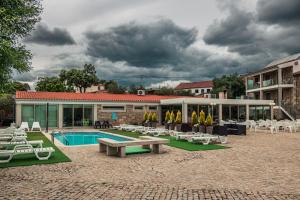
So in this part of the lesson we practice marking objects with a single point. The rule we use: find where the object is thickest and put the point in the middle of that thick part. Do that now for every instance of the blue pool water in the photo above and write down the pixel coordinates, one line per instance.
(84, 138)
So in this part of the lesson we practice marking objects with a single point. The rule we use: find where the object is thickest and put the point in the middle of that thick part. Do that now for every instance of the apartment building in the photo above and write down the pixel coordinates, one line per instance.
(278, 81)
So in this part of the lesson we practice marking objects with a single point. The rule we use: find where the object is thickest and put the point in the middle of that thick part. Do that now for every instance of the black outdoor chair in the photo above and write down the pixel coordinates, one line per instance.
(98, 124)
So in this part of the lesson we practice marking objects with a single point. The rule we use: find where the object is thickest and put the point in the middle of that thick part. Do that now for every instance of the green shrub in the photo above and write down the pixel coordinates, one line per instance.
(202, 118)
(209, 120)
(178, 117)
(194, 118)
(145, 116)
(150, 117)
(154, 117)
(167, 117)
(172, 117)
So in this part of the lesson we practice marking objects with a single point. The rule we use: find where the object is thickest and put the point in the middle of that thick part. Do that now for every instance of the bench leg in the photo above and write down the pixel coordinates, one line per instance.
(157, 148)
(147, 146)
(102, 148)
(122, 152)
(111, 151)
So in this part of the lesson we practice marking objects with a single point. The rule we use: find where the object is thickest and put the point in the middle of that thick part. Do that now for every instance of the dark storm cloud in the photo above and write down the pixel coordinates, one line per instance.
(153, 45)
(44, 35)
(233, 30)
(278, 11)
(246, 34)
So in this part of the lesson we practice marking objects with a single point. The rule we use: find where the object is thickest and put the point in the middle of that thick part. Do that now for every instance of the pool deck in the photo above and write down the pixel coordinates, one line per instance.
(258, 166)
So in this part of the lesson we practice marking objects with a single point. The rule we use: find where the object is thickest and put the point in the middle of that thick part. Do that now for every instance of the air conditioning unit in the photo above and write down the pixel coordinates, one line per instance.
(141, 92)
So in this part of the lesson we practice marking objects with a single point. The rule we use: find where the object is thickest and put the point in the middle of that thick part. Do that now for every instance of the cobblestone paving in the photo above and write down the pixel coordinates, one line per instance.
(256, 167)
(65, 189)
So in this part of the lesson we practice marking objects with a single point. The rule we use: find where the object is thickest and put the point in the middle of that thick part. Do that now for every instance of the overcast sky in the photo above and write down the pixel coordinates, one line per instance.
(162, 40)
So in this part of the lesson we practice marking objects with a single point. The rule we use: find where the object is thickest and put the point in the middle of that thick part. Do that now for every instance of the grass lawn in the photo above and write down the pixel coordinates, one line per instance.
(30, 159)
(181, 144)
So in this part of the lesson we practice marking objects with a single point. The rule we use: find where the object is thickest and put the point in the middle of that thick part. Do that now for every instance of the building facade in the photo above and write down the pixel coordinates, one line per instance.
(67, 110)
(278, 81)
(196, 88)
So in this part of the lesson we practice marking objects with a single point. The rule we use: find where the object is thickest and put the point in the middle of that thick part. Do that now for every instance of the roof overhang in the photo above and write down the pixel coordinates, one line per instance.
(208, 101)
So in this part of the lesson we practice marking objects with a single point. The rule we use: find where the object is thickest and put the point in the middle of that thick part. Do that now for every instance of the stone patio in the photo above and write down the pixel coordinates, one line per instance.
(258, 166)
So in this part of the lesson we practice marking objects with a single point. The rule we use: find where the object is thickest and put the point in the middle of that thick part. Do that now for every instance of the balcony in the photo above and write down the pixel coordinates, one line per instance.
(270, 82)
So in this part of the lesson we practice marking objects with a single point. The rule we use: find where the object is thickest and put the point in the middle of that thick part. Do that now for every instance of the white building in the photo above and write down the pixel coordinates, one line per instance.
(196, 88)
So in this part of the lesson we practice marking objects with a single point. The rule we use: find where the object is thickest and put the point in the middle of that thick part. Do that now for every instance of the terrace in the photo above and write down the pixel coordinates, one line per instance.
(258, 166)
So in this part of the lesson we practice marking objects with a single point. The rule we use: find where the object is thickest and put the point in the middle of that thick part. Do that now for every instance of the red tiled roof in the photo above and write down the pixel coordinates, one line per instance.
(67, 96)
(202, 84)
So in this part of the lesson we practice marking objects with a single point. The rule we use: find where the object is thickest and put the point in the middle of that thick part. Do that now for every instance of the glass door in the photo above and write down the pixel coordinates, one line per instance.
(78, 115)
(52, 116)
(68, 115)
(40, 114)
(28, 114)
(88, 115)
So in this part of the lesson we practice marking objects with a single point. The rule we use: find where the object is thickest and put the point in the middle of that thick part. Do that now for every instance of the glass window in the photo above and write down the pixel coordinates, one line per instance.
(196, 91)
(139, 108)
(208, 91)
(40, 114)
(252, 113)
(113, 108)
(68, 115)
(202, 91)
(53, 115)
(267, 112)
(28, 114)
(88, 115)
(225, 112)
(242, 113)
(152, 107)
(78, 115)
(234, 113)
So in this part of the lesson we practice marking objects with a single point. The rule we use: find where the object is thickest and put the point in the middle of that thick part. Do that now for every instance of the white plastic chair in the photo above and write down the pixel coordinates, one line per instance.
(24, 126)
(36, 126)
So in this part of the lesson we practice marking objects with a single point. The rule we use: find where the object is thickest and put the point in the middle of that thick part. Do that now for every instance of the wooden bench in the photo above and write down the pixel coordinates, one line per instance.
(117, 148)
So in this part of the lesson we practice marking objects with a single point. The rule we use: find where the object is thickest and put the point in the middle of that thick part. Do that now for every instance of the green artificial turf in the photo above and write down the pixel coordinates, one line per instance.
(136, 150)
(181, 144)
(30, 159)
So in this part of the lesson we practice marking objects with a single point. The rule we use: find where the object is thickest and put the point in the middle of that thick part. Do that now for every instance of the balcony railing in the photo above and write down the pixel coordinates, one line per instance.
(288, 80)
(269, 82)
(252, 86)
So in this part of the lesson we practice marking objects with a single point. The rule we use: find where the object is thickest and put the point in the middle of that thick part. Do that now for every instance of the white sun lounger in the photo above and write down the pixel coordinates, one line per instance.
(38, 143)
(12, 137)
(36, 126)
(207, 138)
(24, 126)
(157, 132)
(23, 150)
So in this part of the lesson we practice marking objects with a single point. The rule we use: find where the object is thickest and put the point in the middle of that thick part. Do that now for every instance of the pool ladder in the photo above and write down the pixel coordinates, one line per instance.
(64, 137)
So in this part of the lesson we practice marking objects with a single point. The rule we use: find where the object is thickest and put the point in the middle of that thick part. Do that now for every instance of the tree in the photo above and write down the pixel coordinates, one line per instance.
(133, 89)
(12, 86)
(209, 120)
(233, 84)
(18, 18)
(52, 84)
(114, 88)
(81, 79)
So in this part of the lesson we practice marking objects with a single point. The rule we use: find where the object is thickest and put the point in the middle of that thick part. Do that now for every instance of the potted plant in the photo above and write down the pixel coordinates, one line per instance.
(178, 121)
(167, 119)
(194, 122)
(145, 120)
(202, 122)
(209, 122)
(149, 119)
(154, 119)
(171, 121)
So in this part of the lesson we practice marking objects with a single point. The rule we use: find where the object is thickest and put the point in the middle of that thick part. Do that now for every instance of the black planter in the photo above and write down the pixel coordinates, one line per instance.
(166, 126)
(195, 129)
(171, 126)
(209, 129)
(153, 124)
(202, 129)
(178, 127)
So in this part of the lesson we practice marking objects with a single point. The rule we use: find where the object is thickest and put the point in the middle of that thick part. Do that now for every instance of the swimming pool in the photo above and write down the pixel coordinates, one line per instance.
(84, 138)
